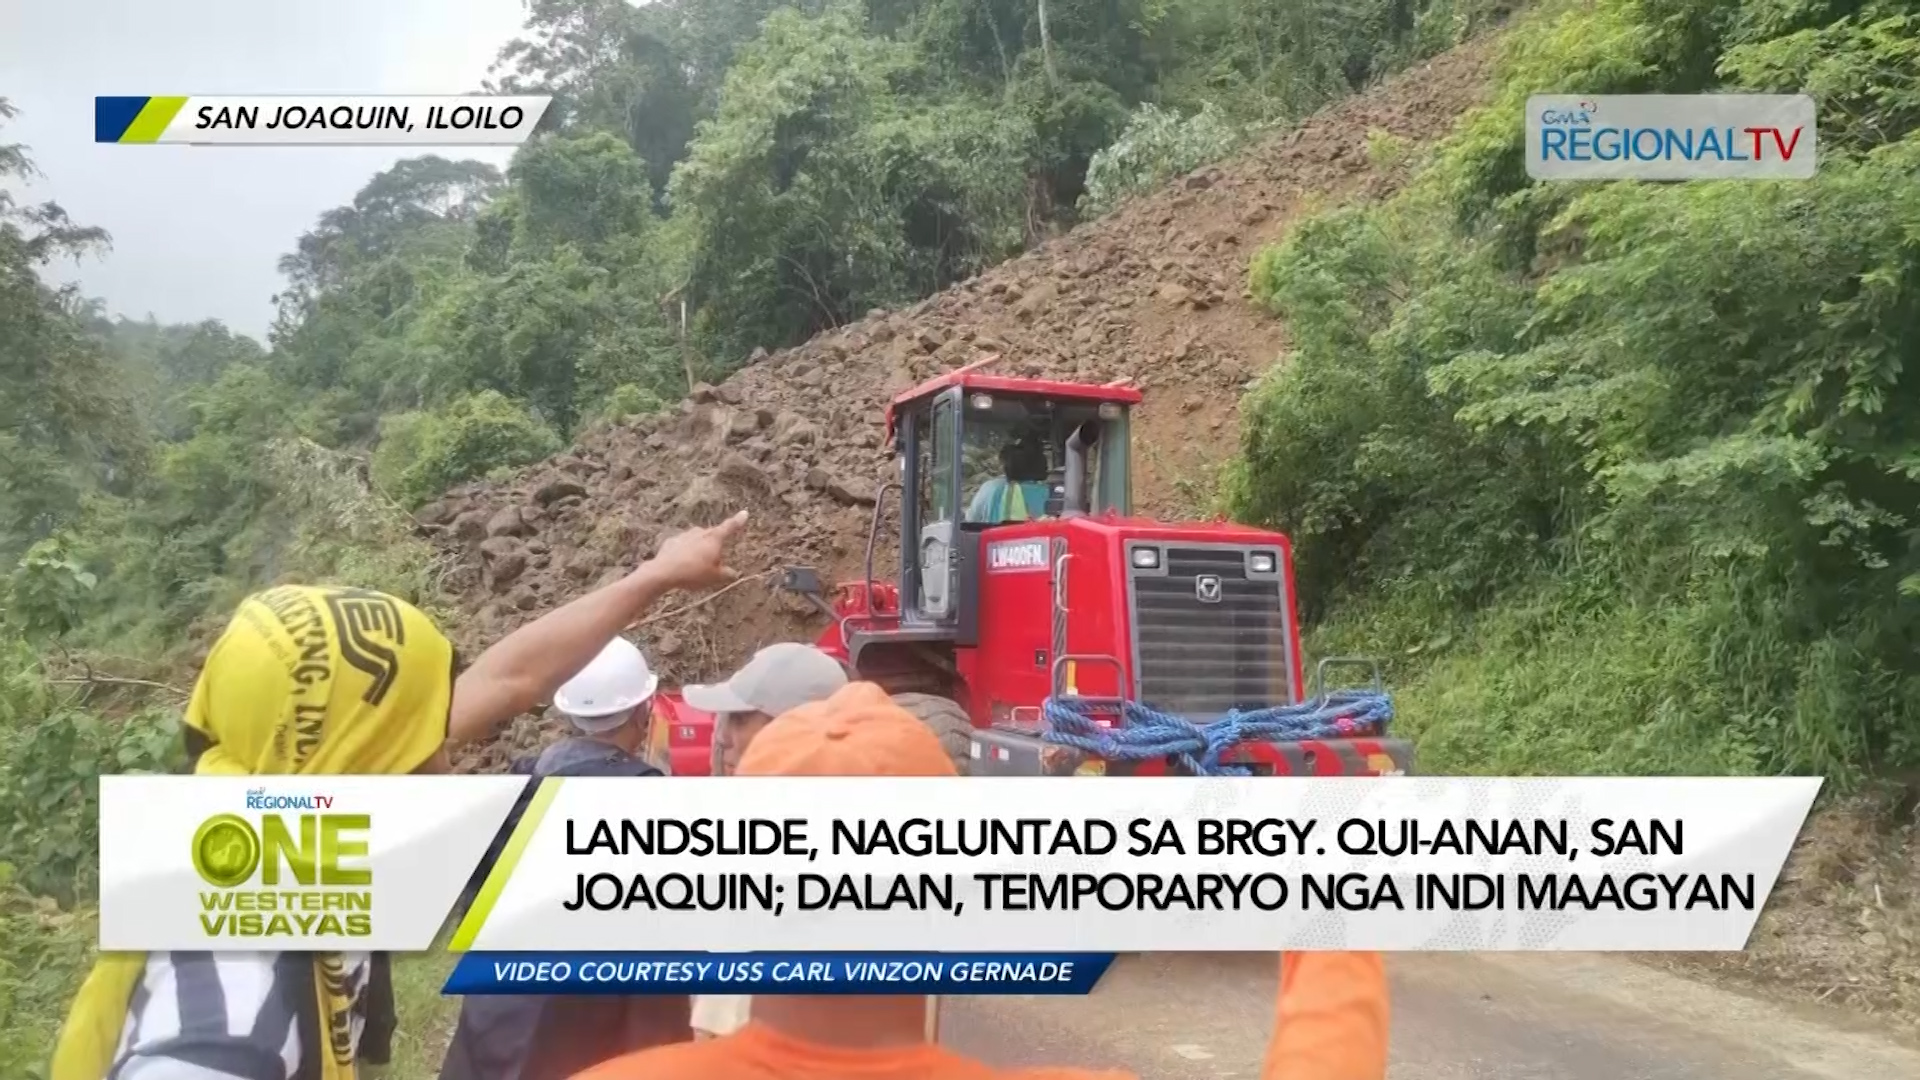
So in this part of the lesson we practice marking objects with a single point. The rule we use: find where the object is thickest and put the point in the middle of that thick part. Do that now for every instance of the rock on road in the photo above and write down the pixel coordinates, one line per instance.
(1456, 1016)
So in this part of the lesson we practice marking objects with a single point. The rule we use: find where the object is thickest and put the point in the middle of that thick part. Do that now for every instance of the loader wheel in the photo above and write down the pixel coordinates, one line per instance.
(948, 720)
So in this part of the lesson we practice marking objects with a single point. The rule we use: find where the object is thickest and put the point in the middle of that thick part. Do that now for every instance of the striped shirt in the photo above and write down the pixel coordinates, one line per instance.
(230, 1016)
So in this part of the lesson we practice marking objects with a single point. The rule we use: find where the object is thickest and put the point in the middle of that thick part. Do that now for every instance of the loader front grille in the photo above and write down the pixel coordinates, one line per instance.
(1208, 634)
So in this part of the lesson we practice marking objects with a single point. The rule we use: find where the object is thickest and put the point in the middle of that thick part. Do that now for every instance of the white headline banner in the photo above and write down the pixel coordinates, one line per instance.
(1093, 864)
(1141, 864)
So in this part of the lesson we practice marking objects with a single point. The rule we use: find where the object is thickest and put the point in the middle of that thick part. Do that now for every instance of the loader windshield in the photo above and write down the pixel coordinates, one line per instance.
(1013, 456)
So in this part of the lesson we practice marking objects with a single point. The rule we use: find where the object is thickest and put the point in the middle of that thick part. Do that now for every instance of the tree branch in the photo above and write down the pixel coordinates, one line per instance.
(659, 616)
(91, 679)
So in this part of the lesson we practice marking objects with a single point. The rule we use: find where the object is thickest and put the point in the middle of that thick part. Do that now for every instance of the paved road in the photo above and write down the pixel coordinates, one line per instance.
(1509, 1016)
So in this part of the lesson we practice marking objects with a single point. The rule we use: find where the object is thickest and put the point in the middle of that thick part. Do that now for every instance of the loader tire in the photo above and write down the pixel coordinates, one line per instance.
(947, 720)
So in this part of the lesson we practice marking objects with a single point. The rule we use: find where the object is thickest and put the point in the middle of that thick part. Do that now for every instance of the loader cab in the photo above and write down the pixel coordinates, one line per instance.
(978, 452)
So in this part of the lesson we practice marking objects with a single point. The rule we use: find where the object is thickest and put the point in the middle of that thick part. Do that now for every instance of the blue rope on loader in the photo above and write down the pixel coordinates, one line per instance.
(1147, 733)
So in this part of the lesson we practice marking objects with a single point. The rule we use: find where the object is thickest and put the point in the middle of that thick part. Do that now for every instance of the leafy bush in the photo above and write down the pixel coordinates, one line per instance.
(51, 755)
(339, 529)
(422, 454)
(627, 400)
(1157, 145)
(821, 187)
(1639, 455)
(47, 953)
(47, 593)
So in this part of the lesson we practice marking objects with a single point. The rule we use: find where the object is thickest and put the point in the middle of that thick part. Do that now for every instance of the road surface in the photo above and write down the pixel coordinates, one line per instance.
(1511, 1016)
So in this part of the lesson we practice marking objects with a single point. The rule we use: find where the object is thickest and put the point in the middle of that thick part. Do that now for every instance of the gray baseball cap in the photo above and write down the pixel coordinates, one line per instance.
(778, 678)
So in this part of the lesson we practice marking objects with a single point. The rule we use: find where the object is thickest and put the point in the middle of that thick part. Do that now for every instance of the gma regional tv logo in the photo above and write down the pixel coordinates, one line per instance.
(1671, 137)
(285, 875)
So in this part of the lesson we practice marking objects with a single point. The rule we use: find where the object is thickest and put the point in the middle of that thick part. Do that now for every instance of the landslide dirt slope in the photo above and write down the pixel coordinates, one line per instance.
(1154, 291)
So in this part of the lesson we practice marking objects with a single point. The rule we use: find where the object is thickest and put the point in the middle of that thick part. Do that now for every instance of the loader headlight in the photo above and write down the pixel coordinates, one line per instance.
(1146, 558)
(1262, 562)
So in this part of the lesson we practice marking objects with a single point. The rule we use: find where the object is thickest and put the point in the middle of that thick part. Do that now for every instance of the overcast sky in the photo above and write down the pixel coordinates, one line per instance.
(197, 230)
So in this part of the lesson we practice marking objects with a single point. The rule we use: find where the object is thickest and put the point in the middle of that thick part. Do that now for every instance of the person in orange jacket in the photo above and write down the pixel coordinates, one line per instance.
(859, 731)
(1332, 1013)
(1331, 1019)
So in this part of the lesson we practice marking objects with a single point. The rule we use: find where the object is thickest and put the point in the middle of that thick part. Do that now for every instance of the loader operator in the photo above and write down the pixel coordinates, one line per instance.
(548, 1037)
(373, 688)
(1020, 492)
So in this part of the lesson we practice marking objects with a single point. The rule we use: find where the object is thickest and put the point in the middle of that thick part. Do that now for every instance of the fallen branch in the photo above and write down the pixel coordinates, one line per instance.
(114, 680)
(703, 601)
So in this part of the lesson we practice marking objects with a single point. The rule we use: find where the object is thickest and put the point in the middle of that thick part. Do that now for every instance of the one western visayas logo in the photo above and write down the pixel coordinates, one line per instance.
(286, 875)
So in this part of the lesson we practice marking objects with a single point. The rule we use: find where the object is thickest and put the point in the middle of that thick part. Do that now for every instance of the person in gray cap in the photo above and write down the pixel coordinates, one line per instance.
(778, 678)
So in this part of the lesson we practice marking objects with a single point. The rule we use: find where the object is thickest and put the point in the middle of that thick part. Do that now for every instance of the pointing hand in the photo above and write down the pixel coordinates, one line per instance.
(698, 557)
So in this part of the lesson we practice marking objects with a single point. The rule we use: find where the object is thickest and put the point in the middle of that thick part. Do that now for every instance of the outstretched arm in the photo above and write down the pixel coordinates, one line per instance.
(524, 668)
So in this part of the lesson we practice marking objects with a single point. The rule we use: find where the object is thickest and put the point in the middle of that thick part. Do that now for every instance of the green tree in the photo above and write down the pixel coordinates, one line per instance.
(65, 422)
(424, 454)
(1532, 415)
(818, 190)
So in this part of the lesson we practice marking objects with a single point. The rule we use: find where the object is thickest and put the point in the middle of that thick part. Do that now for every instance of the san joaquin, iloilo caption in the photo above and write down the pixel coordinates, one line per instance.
(319, 120)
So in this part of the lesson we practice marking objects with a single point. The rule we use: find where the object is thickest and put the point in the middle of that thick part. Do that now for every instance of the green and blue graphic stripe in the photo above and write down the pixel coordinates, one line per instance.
(133, 119)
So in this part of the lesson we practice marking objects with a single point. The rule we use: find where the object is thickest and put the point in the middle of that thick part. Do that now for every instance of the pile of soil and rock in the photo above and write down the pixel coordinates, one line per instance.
(1154, 292)
(1842, 926)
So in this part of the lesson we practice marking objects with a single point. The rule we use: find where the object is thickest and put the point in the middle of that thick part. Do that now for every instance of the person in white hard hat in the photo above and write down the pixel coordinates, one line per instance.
(608, 704)
(777, 679)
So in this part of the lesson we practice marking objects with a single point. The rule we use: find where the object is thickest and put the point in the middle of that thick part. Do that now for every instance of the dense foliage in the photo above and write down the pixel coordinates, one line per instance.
(717, 177)
(1623, 476)
(1625, 473)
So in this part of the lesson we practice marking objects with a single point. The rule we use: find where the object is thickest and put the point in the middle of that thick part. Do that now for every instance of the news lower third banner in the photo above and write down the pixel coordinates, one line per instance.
(319, 120)
(923, 866)
(972, 974)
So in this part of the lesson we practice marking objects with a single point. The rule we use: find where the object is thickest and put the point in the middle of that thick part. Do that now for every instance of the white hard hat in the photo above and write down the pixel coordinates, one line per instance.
(607, 689)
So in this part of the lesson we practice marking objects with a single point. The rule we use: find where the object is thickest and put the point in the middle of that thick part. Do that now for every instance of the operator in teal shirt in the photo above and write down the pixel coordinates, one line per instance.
(1018, 495)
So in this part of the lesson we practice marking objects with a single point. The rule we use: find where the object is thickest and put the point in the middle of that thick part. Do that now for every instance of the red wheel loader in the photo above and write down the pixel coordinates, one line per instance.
(1079, 603)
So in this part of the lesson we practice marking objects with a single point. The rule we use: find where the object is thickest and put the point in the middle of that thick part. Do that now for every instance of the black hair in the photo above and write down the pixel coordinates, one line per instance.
(197, 743)
(453, 680)
(1023, 460)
